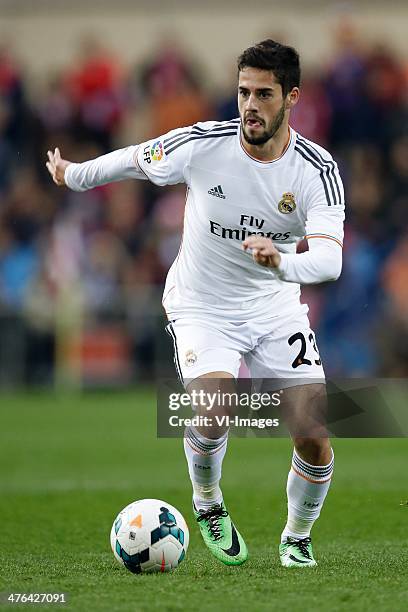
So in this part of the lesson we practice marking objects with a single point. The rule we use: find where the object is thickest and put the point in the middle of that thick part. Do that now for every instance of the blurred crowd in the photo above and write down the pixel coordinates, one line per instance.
(81, 274)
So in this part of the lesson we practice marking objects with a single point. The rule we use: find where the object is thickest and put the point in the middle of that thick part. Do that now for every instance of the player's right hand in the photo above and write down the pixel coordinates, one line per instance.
(56, 166)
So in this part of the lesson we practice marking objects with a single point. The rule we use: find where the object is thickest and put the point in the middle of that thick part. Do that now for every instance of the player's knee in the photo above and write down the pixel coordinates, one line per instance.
(316, 451)
(212, 432)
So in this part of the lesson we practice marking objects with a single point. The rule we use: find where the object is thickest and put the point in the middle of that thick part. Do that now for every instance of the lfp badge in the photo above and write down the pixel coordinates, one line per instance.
(157, 151)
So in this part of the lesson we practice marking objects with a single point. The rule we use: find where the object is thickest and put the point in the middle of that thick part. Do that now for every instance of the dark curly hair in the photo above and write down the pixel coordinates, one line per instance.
(270, 55)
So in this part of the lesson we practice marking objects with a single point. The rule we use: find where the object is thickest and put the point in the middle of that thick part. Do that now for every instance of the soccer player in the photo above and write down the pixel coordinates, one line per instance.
(255, 188)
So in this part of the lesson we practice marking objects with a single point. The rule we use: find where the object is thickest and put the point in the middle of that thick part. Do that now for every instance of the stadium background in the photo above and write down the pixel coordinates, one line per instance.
(80, 288)
(81, 275)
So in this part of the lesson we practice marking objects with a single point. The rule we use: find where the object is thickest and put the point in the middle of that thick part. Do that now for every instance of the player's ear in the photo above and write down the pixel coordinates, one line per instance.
(292, 98)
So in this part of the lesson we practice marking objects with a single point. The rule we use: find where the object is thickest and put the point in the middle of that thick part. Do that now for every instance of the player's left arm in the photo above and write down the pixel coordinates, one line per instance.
(324, 233)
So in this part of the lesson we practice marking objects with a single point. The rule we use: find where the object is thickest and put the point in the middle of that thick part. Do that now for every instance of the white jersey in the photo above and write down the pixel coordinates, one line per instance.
(230, 196)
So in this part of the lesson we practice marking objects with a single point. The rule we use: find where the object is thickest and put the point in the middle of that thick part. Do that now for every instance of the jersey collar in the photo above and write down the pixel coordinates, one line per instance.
(274, 161)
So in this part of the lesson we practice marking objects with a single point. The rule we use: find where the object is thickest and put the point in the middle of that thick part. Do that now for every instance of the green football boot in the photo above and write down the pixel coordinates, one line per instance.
(220, 535)
(297, 553)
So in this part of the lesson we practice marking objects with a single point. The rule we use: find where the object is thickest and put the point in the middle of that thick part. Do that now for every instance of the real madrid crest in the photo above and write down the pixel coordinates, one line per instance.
(287, 204)
(191, 358)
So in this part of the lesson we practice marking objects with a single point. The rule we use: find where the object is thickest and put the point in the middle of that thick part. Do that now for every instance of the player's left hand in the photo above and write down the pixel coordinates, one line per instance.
(263, 251)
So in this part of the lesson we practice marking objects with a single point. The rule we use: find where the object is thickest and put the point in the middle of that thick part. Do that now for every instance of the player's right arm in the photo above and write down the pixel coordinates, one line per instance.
(164, 161)
(57, 166)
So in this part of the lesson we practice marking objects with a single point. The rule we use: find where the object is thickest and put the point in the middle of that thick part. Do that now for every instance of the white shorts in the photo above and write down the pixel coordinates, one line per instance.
(280, 347)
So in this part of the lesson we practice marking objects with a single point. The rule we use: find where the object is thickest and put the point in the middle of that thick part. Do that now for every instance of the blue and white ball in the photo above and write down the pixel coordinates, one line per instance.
(149, 535)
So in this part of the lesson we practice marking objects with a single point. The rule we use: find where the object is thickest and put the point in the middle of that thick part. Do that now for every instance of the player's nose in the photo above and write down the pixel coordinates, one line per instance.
(252, 102)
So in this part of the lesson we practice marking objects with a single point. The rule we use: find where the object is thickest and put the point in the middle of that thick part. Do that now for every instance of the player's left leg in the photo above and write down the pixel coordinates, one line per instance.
(287, 358)
(310, 473)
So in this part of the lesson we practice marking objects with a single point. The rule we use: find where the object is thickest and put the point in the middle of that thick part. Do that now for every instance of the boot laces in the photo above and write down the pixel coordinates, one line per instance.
(302, 546)
(212, 516)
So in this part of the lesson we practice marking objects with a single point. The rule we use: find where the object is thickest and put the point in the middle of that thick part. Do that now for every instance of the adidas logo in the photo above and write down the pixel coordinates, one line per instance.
(217, 191)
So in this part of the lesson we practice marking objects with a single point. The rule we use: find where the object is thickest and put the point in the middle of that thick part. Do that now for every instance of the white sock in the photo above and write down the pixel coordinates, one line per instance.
(204, 458)
(306, 490)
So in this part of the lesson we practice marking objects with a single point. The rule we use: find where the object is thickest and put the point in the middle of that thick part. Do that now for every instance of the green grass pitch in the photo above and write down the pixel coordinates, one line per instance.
(69, 464)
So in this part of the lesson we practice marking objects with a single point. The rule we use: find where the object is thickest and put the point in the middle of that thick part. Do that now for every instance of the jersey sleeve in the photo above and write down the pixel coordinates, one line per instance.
(324, 204)
(323, 209)
(114, 166)
(165, 160)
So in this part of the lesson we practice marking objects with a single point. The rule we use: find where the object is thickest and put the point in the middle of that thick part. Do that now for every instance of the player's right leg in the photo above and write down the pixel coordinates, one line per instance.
(197, 348)
(205, 450)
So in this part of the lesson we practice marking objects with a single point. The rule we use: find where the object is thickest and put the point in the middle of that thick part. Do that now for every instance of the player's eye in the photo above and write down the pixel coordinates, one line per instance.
(243, 93)
(265, 95)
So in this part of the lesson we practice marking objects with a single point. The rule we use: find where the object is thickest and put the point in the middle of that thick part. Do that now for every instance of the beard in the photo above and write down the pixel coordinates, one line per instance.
(267, 133)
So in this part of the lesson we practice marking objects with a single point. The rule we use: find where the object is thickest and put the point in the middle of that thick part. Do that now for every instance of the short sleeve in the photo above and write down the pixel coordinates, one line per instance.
(164, 160)
(324, 203)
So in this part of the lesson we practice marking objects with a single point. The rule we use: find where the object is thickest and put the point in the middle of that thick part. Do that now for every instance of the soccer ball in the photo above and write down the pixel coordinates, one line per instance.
(149, 535)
